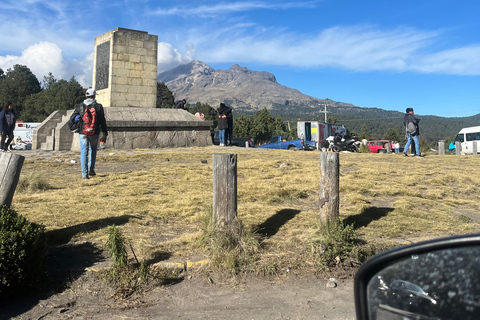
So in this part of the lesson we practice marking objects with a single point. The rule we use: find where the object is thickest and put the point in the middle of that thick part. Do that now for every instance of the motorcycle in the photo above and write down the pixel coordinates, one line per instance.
(338, 143)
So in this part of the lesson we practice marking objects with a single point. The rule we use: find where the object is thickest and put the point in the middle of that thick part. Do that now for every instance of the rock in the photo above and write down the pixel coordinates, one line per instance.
(331, 283)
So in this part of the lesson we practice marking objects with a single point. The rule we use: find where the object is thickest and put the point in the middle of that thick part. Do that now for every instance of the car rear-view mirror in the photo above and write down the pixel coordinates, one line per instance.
(438, 279)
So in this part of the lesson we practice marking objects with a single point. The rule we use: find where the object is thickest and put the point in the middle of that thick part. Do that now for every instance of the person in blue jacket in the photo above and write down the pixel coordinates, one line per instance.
(7, 125)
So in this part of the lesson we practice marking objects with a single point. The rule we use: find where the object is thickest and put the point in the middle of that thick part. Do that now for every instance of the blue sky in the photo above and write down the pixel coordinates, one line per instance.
(392, 55)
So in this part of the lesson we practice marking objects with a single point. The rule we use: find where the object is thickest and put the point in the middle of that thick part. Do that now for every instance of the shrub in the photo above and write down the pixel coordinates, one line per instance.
(22, 250)
(229, 250)
(32, 183)
(364, 149)
(116, 247)
(338, 246)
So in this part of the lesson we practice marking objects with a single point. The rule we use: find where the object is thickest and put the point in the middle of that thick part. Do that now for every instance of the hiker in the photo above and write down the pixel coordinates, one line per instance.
(397, 147)
(91, 119)
(412, 130)
(181, 104)
(229, 132)
(7, 125)
(222, 122)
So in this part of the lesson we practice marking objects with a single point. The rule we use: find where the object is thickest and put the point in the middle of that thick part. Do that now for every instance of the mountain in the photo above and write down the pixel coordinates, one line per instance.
(245, 90)
(248, 91)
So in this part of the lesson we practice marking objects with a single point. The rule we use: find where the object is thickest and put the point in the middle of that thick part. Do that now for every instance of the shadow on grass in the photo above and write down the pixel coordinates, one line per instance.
(366, 217)
(159, 256)
(62, 236)
(64, 263)
(271, 226)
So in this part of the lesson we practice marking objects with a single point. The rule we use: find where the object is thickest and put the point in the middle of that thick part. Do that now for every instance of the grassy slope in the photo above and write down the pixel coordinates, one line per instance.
(158, 199)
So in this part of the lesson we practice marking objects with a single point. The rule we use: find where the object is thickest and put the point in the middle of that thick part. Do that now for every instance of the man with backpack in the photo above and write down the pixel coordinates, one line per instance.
(88, 120)
(411, 126)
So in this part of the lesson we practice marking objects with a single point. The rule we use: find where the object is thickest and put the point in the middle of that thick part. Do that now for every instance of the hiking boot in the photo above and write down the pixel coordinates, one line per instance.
(85, 177)
(405, 155)
(418, 156)
(92, 173)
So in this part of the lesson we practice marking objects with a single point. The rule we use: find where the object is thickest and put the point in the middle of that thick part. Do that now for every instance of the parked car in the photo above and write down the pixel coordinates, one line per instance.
(379, 146)
(237, 142)
(278, 143)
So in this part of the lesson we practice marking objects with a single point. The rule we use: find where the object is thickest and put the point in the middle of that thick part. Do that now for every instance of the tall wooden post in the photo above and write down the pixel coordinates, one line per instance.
(225, 192)
(329, 186)
(458, 148)
(10, 168)
(441, 147)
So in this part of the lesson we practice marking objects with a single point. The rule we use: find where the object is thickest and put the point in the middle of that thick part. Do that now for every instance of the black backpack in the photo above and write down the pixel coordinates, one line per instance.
(75, 122)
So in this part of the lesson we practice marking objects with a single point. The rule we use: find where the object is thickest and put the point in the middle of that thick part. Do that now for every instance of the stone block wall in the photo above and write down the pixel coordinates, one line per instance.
(125, 68)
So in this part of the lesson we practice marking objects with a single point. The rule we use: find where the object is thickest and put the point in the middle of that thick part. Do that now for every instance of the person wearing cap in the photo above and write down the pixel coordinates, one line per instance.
(412, 130)
(89, 143)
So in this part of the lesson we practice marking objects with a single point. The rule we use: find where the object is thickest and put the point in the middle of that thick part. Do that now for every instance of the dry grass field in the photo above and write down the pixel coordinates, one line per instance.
(159, 198)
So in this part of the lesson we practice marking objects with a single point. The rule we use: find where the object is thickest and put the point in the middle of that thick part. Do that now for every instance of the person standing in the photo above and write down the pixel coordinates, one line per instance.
(222, 122)
(412, 129)
(89, 141)
(397, 147)
(7, 125)
(181, 104)
(229, 132)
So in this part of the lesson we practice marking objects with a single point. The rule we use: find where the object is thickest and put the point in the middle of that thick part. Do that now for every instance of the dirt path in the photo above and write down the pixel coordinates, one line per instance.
(292, 297)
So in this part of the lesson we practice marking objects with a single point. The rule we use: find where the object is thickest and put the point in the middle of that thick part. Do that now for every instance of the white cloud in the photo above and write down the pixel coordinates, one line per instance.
(359, 48)
(207, 11)
(460, 61)
(169, 57)
(44, 57)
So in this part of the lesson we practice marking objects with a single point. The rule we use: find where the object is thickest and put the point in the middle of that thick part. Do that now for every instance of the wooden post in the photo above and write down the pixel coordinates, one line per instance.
(329, 186)
(458, 148)
(474, 148)
(225, 192)
(387, 147)
(441, 147)
(10, 168)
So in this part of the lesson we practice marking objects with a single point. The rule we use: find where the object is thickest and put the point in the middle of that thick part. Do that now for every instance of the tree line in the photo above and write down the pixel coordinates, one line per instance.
(34, 101)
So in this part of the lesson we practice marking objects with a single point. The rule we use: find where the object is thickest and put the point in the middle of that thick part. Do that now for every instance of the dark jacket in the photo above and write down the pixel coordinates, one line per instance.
(102, 122)
(7, 121)
(222, 117)
(411, 118)
(180, 105)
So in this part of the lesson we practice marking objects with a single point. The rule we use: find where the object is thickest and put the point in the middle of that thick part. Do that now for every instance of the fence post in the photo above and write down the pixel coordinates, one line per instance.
(225, 192)
(387, 147)
(10, 168)
(458, 148)
(329, 186)
(441, 147)
(474, 148)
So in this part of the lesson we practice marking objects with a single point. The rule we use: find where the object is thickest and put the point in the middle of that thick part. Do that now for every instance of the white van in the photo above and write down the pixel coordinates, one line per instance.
(23, 135)
(467, 137)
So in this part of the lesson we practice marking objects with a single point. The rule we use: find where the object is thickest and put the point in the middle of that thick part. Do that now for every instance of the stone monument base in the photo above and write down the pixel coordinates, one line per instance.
(129, 128)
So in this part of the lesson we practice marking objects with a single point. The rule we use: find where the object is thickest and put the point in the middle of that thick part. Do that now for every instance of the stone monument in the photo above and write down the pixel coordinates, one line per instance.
(125, 68)
(125, 78)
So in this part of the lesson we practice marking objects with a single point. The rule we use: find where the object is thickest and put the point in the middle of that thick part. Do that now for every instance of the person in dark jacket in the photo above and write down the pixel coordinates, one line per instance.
(89, 143)
(229, 132)
(181, 104)
(7, 125)
(411, 126)
(222, 122)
